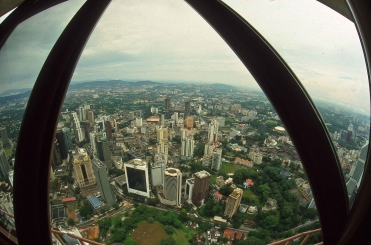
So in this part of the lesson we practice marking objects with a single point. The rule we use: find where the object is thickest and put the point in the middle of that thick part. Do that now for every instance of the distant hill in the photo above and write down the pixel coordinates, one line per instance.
(14, 92)
(111, 83)
(221, 86)
(5, 99)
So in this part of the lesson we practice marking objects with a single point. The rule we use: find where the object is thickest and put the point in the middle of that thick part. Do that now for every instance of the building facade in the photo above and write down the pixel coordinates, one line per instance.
(83, 169)
(136, 172)
(217, 159)
(104, 187)
(201, 188)
(233, 202)
(173, 185)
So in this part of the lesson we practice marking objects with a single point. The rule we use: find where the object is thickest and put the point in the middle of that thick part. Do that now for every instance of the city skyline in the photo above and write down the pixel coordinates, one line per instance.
(328, 58)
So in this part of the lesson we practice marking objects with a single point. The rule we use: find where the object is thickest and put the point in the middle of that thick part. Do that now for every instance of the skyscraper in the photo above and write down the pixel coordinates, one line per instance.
(108, 130)
(173, 185)
(189, 122)
(187, 108)
(162, 140)
(4, 137)
(213, 131)
(157, 169)
(104, 187)
(62, 143)
(83, 169)
(138, 122)
(187, 147)
(136, 172)
(56, 156)
(217, 159)
(91, 118)
(233, 202)
(167, 104)
(86, 126)
(79, 136)
(4, 165)
(190, 183)
(103, 150)
(201, 188)
(162, 121)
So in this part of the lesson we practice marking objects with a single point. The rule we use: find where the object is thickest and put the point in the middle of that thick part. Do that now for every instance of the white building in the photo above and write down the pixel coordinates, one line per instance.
(138, 122)
(136, 172)
(213, 131)
(173, 186)
(217, 159)
(190, 183)
(187, 147)
(256, 157)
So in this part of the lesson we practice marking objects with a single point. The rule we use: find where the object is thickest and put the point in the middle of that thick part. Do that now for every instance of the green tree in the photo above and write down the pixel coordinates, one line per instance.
(70, 222)
(130, 241)
(115, 206)
(77, 190)
(167, 241)
(251, 241)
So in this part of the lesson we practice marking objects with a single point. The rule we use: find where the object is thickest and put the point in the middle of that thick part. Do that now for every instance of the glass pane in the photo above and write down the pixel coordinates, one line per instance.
(323, 49)
(160, 108)
(21, 59)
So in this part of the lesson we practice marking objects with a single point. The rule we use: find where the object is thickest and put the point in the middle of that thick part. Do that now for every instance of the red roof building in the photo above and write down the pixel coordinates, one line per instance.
(250, 182)
(239, 235)
(68, 199)
(229, 234)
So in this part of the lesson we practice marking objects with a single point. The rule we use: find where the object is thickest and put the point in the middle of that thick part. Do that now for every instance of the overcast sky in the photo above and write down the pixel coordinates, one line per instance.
(168, 41)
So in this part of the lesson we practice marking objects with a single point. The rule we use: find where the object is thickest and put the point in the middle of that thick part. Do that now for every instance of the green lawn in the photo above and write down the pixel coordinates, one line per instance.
(181, 237)
(71, 206)
(229, 167)
(148, 234)
(248, 194)
(271, 122)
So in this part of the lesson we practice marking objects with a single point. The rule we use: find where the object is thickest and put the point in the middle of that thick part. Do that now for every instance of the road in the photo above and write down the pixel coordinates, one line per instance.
(303, 225)
(102, 216)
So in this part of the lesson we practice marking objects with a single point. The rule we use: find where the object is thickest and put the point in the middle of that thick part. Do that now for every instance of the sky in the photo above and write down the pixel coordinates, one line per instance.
(166, 40)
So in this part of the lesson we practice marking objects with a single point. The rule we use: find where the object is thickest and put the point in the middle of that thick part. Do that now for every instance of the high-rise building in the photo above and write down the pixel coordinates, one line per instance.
(187, 108)
(167, 104)
(190, 183)
(136, 172)
(91, 118)
(83, 169)
(217, 159)
(209, 149)
(187, 147)
(173, 185)
(162, 134)
(163, 148)
(233, 202)
(4, 164)
(81, 113)
(64, 142)
(201, 188)
(4, 137)
(93, 142)
(162, 120)
(138, 122)
(189, 122)
(139, 113)
(108, 130)
(103, 150)
(56, 156)
(131, 115)
(86, 126)
(79, 134)
(157, 170)
(176, 117)
(213, 131)
(104, 187)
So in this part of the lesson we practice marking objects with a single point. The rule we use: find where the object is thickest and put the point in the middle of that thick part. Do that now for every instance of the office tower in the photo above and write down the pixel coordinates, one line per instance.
(4, 165)
(189, 122)
(56, 155)
(62, 142)
(93, 142)
(187, 147)
(201, 188)
(176, 117)
(104, 187)
(83, 168)
(136, 172)
(86, 126)
(233, 202)
(101, 125)
(131, 115)
(139, 113)
(91, 118)
(356, 173)
(173, 185)
(108, 130)
(187, 108)
(206, 160)
(157, 170)
(138, 122)
(4, 137)
(167, 104)
(213, 131)
(190, 183)
(163, 148)
(162, 120)
(103, 150)
(217, 159)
